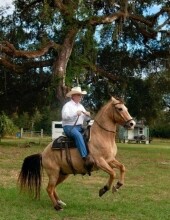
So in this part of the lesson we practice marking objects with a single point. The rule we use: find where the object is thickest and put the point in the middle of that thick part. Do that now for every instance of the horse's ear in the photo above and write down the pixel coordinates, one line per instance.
(113, 99)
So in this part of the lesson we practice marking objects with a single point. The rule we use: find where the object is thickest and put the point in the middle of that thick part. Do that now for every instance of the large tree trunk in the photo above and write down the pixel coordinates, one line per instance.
(60, 64)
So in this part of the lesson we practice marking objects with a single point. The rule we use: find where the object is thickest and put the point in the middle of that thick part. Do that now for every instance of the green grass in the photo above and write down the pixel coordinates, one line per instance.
(145, 196)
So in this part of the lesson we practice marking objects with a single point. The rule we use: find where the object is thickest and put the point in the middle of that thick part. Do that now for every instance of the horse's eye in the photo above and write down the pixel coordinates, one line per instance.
(120, 109)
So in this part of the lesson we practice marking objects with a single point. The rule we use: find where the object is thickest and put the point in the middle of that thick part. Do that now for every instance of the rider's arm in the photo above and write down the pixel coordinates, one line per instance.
(68, 113)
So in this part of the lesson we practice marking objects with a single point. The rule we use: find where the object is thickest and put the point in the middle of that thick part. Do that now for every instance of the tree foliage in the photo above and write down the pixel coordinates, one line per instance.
(47, 46)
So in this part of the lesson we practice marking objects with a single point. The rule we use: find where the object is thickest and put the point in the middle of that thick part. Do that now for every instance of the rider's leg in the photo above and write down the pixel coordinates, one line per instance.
(75, 133)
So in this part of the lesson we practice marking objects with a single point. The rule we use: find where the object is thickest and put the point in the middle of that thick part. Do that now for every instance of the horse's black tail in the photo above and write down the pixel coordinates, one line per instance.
(30, 176)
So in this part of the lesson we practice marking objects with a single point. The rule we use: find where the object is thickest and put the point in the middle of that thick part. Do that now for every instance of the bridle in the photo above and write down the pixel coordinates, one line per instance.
(111, 130)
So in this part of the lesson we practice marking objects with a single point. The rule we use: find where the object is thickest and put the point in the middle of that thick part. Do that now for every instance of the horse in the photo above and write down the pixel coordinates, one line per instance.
(102, 148)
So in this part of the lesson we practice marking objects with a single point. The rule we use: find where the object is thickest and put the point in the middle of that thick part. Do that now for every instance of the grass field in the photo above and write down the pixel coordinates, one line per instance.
(145, 196)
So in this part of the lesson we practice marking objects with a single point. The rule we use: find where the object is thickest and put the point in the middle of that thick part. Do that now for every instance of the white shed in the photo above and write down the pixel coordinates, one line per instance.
(140, 134)
(57, 129)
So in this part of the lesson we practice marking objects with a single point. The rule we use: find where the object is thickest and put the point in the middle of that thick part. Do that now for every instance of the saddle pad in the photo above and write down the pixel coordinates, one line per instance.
(62, 142)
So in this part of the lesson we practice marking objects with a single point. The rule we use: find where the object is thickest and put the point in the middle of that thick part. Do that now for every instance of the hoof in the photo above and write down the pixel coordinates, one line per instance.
(103, 190)
(58, 207)
(61, 203)
(114, 189)
(118, 185)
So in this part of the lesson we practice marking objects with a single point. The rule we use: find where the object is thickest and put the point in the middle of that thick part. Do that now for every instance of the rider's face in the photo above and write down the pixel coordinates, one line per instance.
(76, 98)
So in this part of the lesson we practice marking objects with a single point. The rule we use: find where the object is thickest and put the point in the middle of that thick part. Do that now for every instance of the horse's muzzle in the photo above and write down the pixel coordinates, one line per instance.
(130, 124)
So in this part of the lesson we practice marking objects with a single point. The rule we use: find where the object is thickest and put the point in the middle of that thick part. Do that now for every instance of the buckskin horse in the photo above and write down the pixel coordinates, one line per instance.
(102, 148)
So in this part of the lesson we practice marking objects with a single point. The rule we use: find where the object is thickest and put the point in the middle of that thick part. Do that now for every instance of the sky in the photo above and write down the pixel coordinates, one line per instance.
(7, 3)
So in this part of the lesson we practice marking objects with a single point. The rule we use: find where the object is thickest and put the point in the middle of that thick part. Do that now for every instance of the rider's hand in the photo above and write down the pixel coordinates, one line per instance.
(87, 113)
(79, 113)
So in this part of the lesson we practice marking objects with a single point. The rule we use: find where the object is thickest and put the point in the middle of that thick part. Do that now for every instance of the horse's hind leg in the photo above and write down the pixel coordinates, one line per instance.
(61, 178)
(53, 178)
(115, 163)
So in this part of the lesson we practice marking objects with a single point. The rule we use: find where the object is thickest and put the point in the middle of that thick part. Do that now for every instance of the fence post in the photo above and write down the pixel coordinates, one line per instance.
(21, 132)
(41, 132)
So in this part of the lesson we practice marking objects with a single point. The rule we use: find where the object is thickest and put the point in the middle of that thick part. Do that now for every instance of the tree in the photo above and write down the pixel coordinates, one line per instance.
(56, 40)
(143, 81)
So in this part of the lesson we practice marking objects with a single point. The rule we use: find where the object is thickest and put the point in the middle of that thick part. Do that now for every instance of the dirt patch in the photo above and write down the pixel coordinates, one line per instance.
(8, 177)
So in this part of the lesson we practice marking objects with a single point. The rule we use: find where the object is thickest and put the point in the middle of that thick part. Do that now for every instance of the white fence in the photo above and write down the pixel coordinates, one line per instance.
(30, 134)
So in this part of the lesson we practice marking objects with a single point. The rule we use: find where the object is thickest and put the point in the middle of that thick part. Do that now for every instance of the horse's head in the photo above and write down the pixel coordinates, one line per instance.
(121, 114)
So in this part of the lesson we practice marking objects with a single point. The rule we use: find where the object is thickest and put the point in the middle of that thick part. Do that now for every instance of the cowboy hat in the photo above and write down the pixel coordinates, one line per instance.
(76, 90)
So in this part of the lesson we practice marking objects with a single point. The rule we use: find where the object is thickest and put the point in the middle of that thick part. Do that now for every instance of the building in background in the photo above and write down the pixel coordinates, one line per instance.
(140, 134)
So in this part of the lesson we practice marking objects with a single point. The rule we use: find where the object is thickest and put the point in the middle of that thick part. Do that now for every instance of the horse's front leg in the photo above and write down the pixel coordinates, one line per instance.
(116, 164)
(102, 164)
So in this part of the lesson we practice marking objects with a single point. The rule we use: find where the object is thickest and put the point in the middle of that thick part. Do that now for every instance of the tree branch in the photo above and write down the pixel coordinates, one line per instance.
(162, 11)
(10, 50)
(150, 21)
(20, 69)
(98, 70)
(140, 19)
(163, 24)
(104, 19)
(106, 74)
(59, 4)
(13, 67)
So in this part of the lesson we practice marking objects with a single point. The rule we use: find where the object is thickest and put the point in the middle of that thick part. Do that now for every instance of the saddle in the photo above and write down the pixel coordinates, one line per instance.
(63, 141)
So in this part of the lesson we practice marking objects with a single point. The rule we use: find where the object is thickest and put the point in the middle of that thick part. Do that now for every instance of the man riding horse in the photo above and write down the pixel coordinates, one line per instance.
(73, 115)
(102, 148)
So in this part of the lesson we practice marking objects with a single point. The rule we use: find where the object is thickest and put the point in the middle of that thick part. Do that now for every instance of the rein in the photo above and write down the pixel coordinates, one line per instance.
(103, 127)
(74, 123)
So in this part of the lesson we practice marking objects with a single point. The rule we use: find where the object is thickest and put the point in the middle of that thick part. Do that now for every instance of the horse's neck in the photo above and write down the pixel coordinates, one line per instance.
(104, 120)
(106, 124)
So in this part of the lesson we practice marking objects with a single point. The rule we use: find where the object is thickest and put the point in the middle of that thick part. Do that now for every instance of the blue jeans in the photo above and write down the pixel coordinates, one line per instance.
(75, 133)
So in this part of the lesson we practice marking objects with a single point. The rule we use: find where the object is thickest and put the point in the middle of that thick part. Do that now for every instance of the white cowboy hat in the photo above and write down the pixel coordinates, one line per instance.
(76, 90)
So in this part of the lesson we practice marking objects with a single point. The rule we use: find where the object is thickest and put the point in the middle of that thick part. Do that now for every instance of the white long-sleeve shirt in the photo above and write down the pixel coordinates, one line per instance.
(69, 113)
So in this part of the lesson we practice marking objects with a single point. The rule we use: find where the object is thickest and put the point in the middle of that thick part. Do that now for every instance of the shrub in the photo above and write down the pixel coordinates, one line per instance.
(7, 127)
(160, 131)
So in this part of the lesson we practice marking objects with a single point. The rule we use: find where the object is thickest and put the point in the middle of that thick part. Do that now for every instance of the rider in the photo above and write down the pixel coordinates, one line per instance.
(73, 115)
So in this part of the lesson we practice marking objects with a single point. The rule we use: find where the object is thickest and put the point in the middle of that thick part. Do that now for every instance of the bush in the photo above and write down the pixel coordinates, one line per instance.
(7, 127)
(160, 131)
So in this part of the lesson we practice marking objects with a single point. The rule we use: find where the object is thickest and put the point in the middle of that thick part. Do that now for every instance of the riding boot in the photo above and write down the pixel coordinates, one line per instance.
(88, 164)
